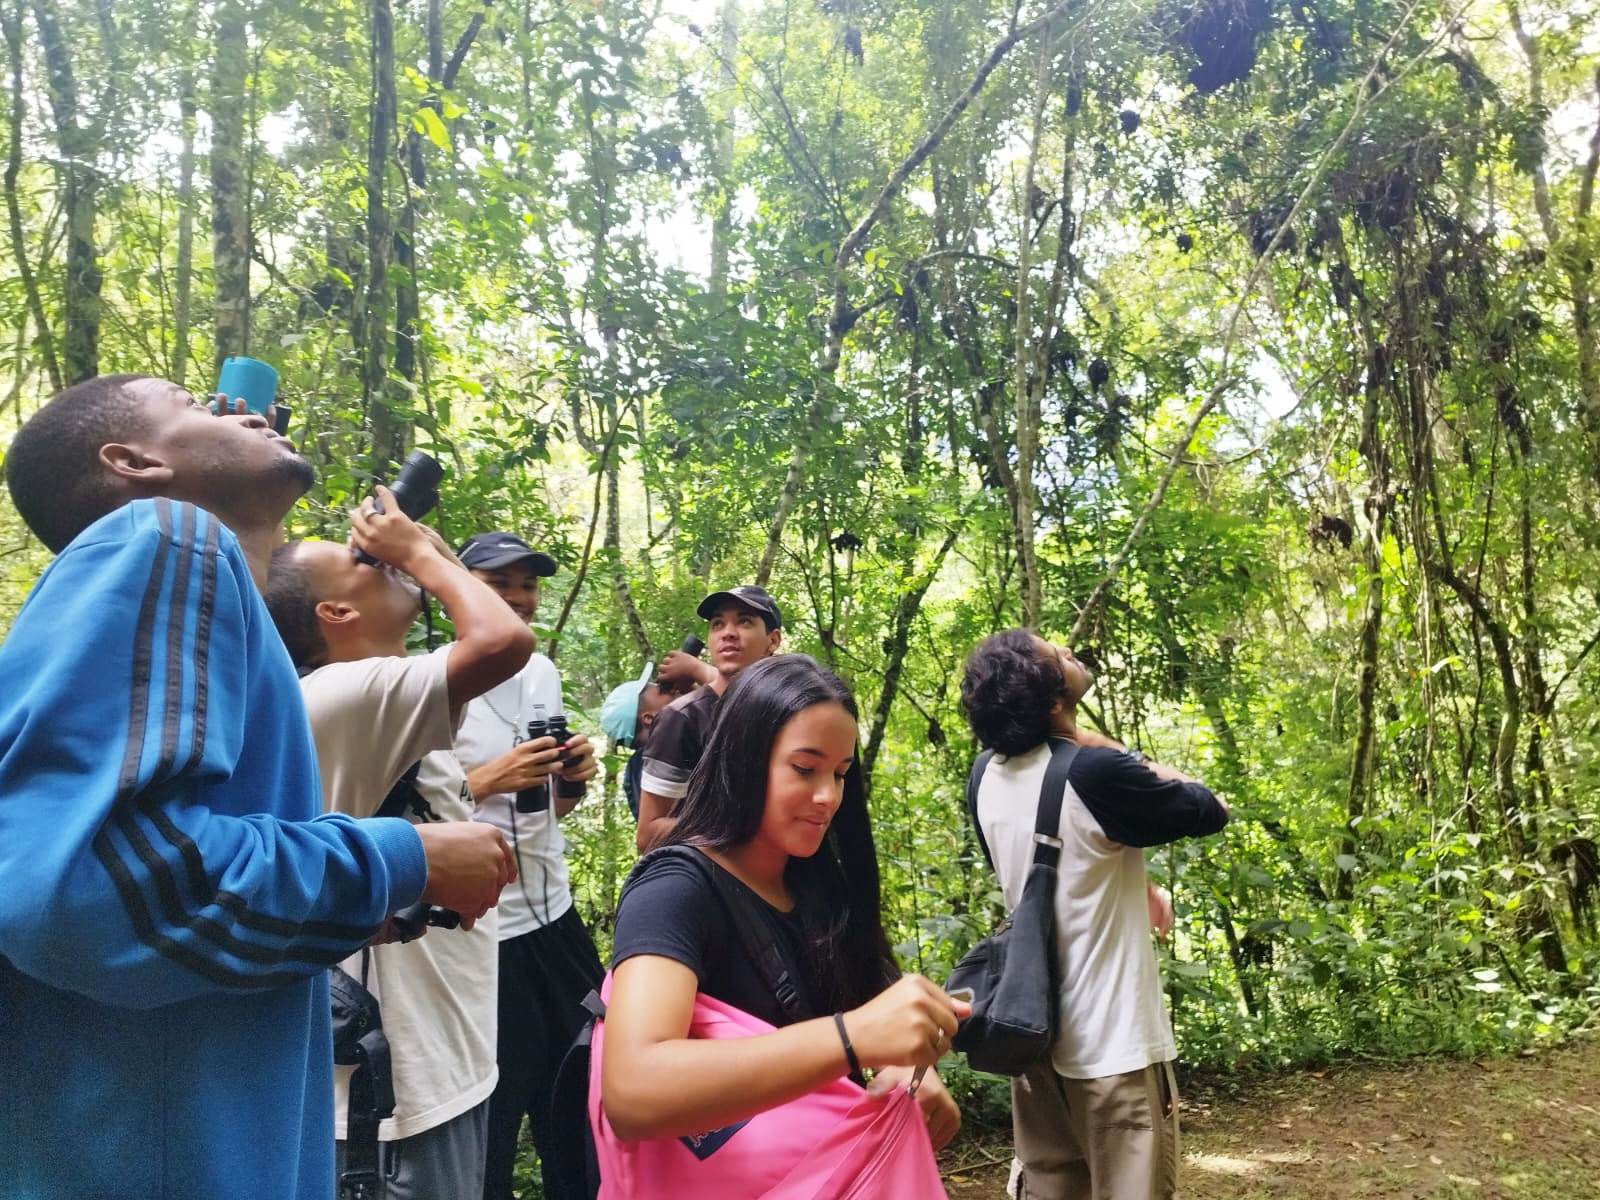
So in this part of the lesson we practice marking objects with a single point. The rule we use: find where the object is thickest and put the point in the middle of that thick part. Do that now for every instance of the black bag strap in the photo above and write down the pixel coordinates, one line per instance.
(401, 794)
(364, 1045)
(756, 935)
(1047, 822)
(573, 1168)
(974, 779)
(761, 945)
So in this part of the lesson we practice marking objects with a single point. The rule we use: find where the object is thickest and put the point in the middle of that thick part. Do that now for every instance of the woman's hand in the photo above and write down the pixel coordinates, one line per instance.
(908, 1024)
(520, 767)
(939, 1108)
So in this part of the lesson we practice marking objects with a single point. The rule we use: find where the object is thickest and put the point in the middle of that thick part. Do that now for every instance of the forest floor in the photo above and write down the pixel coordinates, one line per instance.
(1524, 1128)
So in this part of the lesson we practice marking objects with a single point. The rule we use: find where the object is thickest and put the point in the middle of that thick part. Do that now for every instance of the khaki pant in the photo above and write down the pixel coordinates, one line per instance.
(1114, 1138)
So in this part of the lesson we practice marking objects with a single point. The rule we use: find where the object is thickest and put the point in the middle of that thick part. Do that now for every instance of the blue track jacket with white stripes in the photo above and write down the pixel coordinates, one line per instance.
(169, 897)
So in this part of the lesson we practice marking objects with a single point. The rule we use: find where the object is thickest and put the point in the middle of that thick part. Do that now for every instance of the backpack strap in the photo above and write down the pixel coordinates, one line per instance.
(974, 779)
(1047, 823)
(573, 1164)
(761, 944)
(401, 794)
(410, 922)
(756, 935)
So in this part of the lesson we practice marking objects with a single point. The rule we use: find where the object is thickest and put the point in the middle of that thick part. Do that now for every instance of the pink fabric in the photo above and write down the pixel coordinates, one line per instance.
(837, 1143)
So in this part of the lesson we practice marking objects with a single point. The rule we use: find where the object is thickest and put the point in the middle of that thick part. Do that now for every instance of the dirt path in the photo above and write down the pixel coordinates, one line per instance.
(1501, 1129)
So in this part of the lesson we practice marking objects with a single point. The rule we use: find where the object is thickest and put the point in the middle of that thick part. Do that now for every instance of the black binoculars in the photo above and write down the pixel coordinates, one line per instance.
(415, 489)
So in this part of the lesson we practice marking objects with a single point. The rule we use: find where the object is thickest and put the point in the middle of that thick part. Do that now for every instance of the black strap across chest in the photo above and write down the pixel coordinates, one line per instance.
(1047, 819)
(760, 940)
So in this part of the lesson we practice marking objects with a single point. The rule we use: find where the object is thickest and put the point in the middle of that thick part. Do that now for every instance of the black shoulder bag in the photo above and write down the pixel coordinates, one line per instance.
(575, 1168)
(1013, 973)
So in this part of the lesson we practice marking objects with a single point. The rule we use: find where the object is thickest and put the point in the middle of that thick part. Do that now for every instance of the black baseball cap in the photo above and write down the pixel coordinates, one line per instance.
(486, 551)
(746, 595)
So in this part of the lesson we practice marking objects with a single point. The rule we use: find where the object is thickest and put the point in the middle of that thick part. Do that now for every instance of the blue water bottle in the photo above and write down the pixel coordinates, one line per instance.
(250, 380)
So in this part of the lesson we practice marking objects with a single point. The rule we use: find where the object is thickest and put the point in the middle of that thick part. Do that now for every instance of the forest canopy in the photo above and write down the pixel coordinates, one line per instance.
(1248, 345)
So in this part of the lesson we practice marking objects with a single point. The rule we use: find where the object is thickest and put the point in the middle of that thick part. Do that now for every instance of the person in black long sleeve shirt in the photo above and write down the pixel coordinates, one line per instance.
(1099, 1117)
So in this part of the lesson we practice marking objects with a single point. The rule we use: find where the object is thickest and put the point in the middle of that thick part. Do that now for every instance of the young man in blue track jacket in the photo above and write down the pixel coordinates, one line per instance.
(170, 898)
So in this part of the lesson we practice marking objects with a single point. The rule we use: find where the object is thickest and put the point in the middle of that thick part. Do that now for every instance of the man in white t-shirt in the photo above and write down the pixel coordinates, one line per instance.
(1100, 1118)
(548, 961)
(374, 713)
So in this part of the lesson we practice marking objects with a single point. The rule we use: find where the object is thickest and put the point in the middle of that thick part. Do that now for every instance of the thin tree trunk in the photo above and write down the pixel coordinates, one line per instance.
(1028, 386)
(722, 218)
(1574, 264)
(906, 609)
(408, 297)
(230, 220)
(12, 19)
(184, 285)
(388, 434)
(79, 146)
(1370, 522)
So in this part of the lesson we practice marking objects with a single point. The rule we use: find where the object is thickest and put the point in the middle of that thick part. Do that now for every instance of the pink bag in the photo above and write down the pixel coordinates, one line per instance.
(836, 1143)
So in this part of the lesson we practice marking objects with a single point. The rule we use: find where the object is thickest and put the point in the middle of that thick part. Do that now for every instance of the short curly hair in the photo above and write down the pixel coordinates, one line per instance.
(1008, 690)
(53, 466)
(291, 597)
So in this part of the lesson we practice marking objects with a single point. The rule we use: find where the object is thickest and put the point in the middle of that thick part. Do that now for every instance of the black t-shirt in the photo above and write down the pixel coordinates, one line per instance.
(1135, 806)
(671, 908)
(677, 740)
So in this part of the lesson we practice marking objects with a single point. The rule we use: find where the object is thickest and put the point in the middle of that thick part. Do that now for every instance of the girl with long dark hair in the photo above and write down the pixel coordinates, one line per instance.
(777, 803)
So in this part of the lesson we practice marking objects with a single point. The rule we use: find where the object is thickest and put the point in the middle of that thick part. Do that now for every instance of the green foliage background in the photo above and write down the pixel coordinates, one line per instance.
(1360, 599)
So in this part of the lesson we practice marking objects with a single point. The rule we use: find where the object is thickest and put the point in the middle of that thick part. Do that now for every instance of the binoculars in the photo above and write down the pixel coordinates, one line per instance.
(536, 797)
(415, 489)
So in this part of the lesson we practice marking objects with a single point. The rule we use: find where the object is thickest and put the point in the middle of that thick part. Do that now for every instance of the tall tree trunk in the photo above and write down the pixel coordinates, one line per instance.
(1575, 263)
(905, 613)
(183, 287)
(1515, 820)
(1370, 523)
(230, 219)
(78, 142)
(722, 217)
(12, 19)
(1029, 387)
(388, 433)
(407, 290)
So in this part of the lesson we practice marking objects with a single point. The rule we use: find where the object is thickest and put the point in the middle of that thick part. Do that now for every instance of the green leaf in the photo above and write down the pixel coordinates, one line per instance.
(427, 121)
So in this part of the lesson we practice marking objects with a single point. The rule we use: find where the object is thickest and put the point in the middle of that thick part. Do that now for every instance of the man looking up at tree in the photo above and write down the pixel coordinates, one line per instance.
(1099, 1118)
(381, 718)
(548, 961)
(172, 899)
(745, 626)
(626, 717)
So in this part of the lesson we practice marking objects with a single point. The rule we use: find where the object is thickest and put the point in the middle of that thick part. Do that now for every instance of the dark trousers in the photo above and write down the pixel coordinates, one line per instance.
(544, 976)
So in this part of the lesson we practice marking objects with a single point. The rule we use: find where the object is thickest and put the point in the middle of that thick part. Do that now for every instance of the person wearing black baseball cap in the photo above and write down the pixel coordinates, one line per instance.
(745, 626)
(548, 961)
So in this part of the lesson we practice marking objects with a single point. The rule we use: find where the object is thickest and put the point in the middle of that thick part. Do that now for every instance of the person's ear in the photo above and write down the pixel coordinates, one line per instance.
(133, 465)
(336, 612)
(773, 639)
(646, 720)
